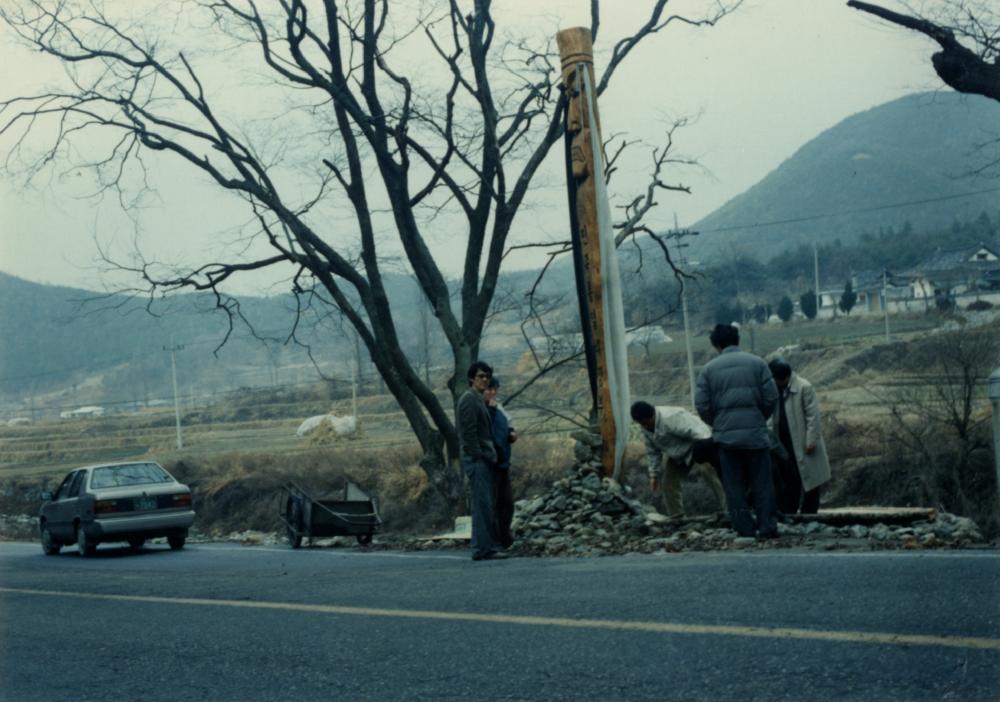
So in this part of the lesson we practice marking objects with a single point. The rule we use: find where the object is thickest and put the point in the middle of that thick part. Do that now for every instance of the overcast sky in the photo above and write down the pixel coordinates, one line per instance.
(761, 83)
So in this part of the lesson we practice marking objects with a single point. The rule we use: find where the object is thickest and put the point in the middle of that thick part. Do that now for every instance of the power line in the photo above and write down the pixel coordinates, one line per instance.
(860, 210)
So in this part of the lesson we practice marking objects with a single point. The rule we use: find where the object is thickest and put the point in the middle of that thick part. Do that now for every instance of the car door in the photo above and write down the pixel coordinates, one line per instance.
(64, 507)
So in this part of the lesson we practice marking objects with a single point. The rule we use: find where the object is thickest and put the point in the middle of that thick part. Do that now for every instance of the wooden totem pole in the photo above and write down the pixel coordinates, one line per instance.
(587, 197)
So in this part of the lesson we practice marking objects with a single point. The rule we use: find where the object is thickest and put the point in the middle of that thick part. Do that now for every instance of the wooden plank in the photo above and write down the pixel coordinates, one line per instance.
(867, 516)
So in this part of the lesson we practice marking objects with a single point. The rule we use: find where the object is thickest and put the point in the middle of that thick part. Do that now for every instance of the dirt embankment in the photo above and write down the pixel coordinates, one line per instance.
(241, 491)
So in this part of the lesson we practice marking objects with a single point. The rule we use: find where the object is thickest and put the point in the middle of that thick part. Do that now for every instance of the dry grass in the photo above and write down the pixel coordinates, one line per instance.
(537, 463)
(237, 491)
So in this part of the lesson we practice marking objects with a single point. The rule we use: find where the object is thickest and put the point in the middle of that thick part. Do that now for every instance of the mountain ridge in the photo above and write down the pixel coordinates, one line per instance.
(855, 177)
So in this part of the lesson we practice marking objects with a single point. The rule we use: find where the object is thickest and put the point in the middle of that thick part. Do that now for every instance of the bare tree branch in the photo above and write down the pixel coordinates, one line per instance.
(958, 66)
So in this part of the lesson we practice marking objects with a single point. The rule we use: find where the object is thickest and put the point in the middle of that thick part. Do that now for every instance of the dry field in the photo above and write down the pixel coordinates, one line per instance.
(238, 456)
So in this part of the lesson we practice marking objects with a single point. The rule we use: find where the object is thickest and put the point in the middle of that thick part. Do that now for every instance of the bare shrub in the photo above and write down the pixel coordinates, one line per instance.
(537, 463)
(855, 446)
(938, 435)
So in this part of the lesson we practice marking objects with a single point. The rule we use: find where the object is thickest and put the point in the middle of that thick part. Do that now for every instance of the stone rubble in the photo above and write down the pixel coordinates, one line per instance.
(583, 530)
(585, 514)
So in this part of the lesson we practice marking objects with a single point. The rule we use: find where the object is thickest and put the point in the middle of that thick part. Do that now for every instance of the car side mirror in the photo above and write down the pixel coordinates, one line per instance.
(46, 496)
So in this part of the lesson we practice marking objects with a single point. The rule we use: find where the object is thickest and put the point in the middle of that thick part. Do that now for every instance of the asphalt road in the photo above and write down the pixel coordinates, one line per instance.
(225, 622)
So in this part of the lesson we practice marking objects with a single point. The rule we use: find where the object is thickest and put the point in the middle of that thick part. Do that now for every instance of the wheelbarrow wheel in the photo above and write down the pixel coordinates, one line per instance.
(293, 515)
(364, 539)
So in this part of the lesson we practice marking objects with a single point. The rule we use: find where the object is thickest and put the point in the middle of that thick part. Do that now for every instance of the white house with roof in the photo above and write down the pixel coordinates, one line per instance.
(962, 276)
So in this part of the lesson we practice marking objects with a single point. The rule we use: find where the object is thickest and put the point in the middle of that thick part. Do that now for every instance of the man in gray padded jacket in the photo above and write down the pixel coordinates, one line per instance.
(735, 395)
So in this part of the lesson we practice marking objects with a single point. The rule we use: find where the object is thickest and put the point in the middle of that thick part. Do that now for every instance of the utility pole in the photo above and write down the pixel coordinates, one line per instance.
(816, 277)
(684, 312)
(687, 338)
(354, 389)
(885, 303)
(357, 357)
(173, 349)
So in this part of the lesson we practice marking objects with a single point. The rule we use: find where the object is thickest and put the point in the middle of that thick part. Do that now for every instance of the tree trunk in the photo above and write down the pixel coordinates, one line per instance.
(440, 467)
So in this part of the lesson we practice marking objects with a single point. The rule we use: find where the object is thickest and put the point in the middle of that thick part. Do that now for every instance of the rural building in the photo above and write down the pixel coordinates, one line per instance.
(868, 286)
(960, 276)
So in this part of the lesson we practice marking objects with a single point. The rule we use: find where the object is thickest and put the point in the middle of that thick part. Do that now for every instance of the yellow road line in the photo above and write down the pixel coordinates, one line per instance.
(873, 637)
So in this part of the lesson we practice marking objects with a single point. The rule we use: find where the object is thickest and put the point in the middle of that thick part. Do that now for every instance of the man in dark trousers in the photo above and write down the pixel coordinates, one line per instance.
(479, 458)
(503, 436)
(735, 396)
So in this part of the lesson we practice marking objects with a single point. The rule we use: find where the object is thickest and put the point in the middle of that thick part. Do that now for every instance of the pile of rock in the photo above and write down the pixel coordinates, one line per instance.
(584, 513)
(940, 529)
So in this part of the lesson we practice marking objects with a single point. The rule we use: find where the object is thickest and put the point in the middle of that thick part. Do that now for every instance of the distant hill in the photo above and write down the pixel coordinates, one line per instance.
(67, 347)
(916, 149)
(104, 351)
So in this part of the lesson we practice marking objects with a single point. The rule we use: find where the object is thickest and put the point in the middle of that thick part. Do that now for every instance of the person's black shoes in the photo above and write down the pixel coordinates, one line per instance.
(490, 556)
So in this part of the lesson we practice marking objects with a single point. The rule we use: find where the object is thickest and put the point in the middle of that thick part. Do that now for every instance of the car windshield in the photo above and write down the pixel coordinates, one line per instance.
(131, 474)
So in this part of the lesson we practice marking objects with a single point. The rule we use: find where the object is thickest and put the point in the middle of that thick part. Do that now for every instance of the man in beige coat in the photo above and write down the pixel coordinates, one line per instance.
(686, 442)
(797, 425)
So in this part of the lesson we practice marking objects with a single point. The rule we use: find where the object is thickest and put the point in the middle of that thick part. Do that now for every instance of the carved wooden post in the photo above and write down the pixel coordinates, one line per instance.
(577, 54)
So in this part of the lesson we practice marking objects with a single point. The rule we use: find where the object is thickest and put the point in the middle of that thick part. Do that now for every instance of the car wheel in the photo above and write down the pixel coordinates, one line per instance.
(49, 546)
(84, 545)
(136, 543)
(364, 539)
(176, 541)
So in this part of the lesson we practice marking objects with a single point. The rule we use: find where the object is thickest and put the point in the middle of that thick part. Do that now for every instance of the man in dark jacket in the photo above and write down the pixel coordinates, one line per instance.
(479, 459)
(735, 396)
(503, 436)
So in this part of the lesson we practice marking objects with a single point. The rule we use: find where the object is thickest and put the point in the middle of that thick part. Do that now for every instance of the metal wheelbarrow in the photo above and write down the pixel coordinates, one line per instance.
(354, 514)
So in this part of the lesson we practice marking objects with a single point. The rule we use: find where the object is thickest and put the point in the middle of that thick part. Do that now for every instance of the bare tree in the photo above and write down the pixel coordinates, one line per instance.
(940, 418)
(968, 33)
(550, 352)
(400, 152)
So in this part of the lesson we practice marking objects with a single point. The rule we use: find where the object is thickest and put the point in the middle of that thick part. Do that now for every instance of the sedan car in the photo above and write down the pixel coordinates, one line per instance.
(128, 502)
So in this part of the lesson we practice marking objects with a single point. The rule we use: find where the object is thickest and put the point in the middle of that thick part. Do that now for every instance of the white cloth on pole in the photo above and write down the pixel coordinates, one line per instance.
(615, 344)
